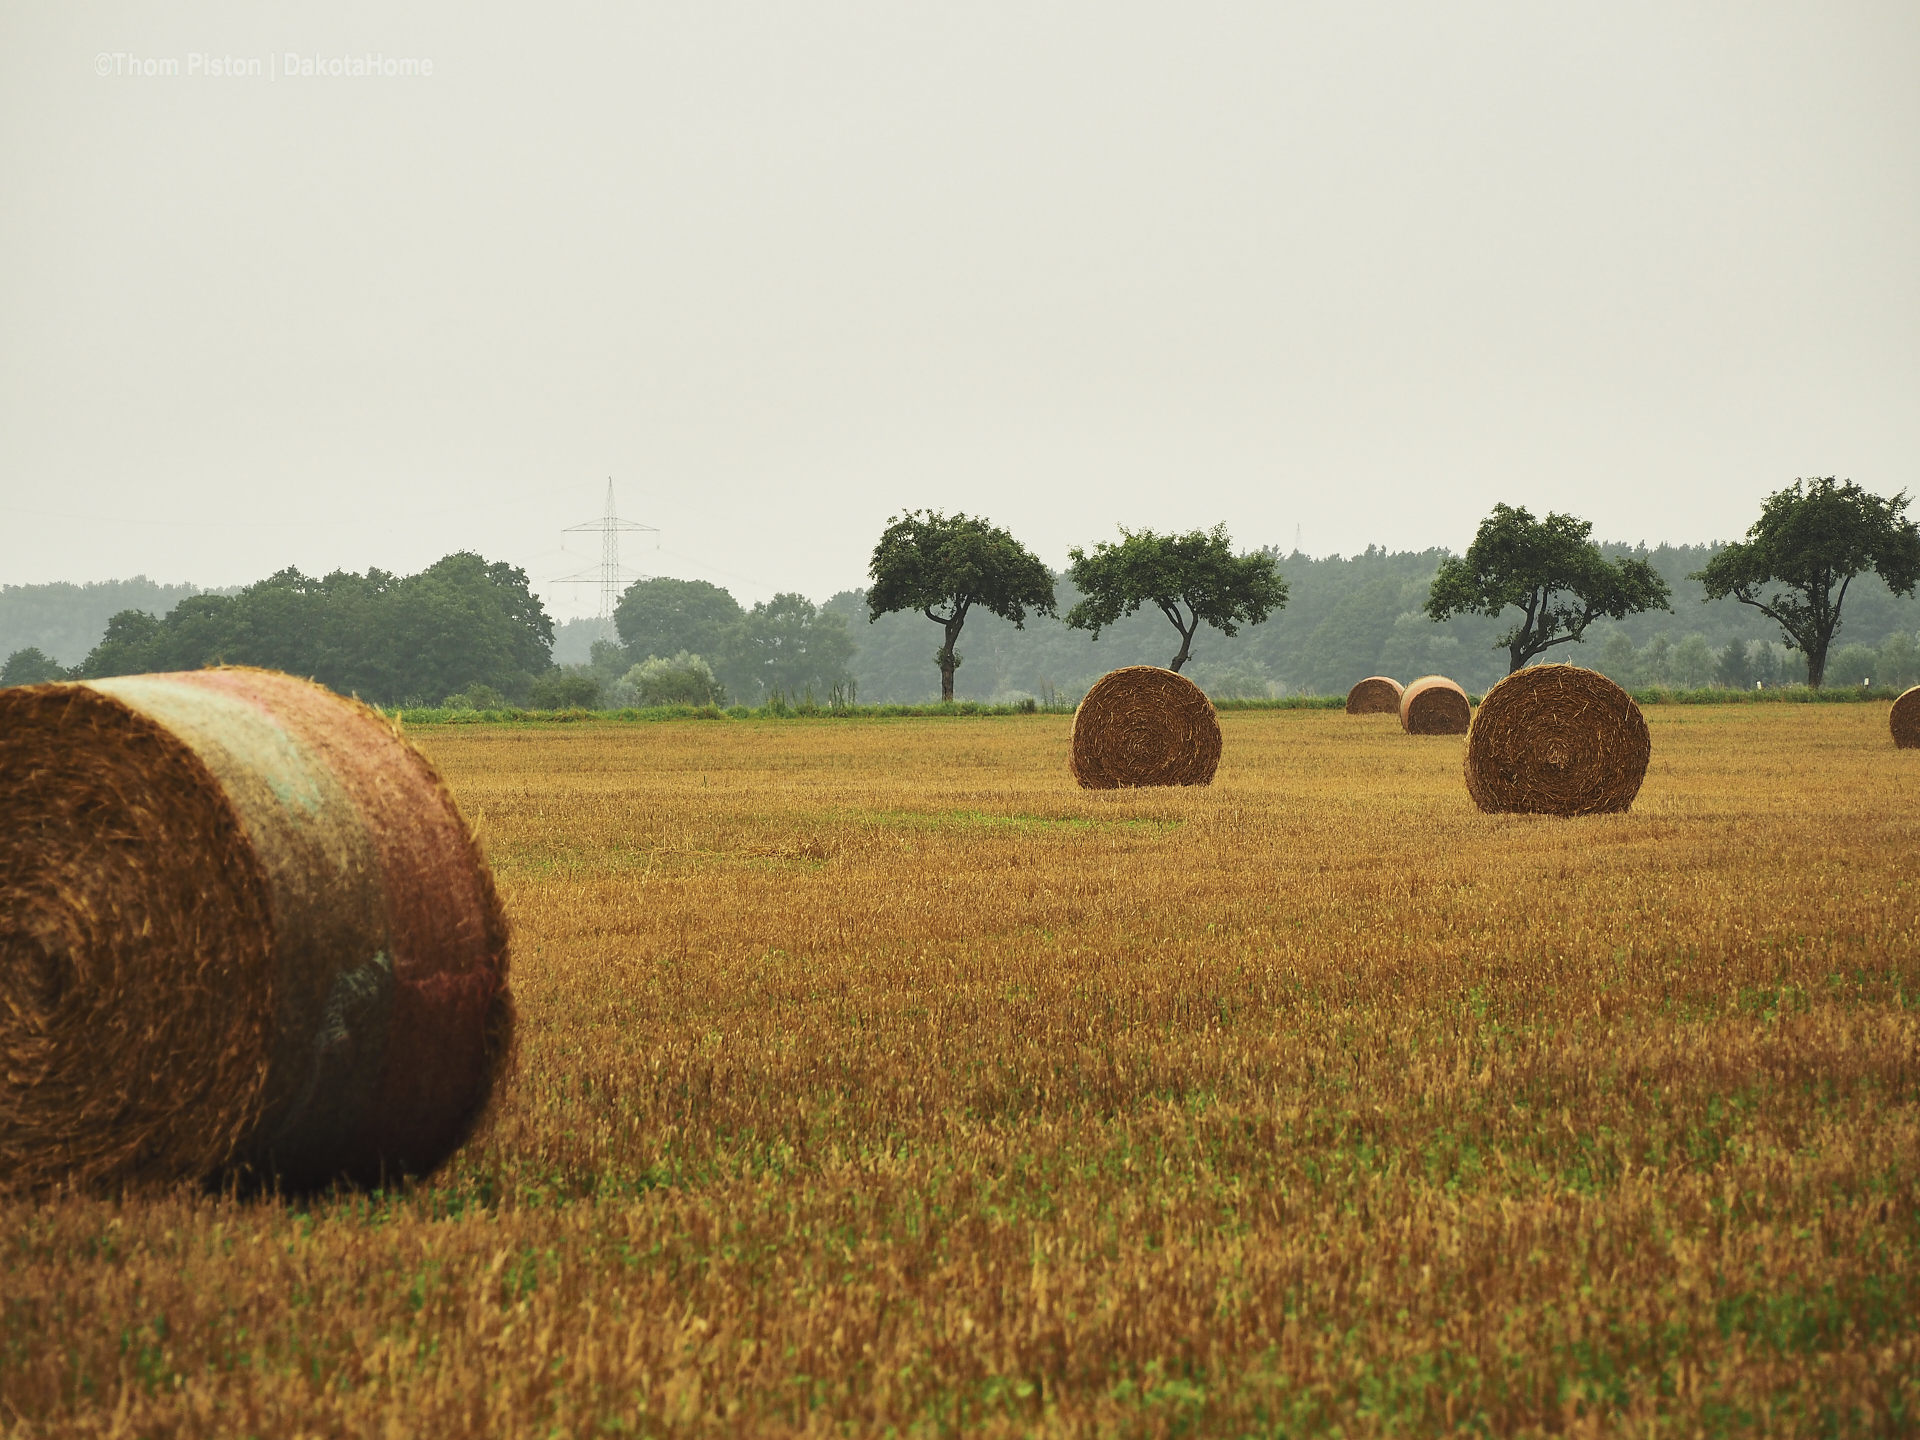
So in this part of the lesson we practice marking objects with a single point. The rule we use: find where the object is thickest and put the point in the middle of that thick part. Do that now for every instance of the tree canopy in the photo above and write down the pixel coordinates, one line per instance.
(1811, 537)
(1193, 579)
(1548, 570)
(459, 623)
(663, 617)
(31, 666)
(787, 646)
(932, 563)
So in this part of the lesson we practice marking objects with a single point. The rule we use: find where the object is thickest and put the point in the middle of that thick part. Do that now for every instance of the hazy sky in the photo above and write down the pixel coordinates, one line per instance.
(783, 269)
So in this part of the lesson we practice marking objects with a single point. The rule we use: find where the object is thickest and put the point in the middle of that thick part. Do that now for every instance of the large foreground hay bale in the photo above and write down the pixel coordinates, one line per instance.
(1142, 725)
(1434, 705)
(1557, 740)
(1375, 695)
(243, 933)
(1905, 720)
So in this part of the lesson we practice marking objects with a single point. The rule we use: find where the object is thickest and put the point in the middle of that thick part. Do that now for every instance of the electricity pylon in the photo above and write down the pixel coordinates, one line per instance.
(611, 576)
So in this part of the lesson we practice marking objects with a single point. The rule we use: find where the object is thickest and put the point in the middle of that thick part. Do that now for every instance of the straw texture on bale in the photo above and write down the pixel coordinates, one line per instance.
(1142, 725)
(1375, 695)
(243, 933)
(1434, 705)
(1905, 720)
(1557, 740)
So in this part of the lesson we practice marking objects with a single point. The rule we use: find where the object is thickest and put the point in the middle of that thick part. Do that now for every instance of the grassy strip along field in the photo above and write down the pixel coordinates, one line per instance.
(876, 1079)
(971, 709)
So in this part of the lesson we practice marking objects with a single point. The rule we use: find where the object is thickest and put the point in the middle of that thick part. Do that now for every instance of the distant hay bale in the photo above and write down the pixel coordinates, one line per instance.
(243, 934)
(1434, 705)
(1375, 695)
(1905, 720)
(1142, 725)
(1557, 740)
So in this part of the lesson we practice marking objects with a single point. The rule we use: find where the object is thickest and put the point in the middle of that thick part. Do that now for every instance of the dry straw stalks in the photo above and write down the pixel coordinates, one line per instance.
(243, 931)
(1375, 695)
(1557, 740)
(1434, 705)
(1905, 720)
(1141, 725)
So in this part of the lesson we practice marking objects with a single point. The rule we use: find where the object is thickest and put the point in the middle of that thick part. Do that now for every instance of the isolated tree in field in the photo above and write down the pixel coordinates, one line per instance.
(1192, 578)
(1551, 573)
(938, 563)
(1811, 537)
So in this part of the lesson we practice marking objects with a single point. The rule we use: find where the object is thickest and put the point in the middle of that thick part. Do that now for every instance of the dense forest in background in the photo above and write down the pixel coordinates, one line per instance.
(65, 621)
(468, 626)
(460, 623)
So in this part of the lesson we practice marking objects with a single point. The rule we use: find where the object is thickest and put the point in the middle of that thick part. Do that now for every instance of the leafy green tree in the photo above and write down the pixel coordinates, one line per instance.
(931, 562)
(1191, 578)
(610, 660)
(462, 622)
(132, 638)
(1617, 661)
(31, 666)
(1899, 660)
(682, 679)
(664, 617)
(1548, 570)
(1854, 664)
(565, 690)
(1811, 537)
(788, 646)
(1735, 670)
(1692, 664)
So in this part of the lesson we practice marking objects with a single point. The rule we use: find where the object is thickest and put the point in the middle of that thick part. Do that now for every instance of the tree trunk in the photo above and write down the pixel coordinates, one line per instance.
(1187, 633)
(950, 626)
(1817, 665)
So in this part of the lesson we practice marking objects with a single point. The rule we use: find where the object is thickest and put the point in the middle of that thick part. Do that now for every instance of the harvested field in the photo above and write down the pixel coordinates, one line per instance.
(874, 1075)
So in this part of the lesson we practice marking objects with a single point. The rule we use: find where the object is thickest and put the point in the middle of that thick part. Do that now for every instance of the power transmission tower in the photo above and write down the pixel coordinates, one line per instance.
(611, 576)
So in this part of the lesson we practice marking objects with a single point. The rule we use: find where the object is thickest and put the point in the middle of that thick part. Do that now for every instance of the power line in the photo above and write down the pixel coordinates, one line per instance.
(611, 576)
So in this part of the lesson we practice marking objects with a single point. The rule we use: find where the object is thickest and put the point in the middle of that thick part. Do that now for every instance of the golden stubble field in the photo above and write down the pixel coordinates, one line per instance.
(875, 1079)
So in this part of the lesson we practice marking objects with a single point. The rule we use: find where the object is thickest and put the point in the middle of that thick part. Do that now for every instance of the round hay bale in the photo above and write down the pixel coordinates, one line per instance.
(243, 934)
(1905, 720)
(1375, 695)
(1141, 725)
(1557, 740)
(1434, 705)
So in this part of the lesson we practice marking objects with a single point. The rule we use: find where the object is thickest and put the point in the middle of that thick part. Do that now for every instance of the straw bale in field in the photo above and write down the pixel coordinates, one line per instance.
(1434, 705)
(243, 932)
(1141, 725)
(1375, 695)
(1557, 740)
(1905, 720)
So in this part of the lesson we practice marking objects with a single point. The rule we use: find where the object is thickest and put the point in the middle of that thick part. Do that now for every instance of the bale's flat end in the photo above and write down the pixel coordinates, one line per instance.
(1905, 720)
(1434, 705)
(1557, 740)
(1142, 725)
(244, 933)
(1375, 695)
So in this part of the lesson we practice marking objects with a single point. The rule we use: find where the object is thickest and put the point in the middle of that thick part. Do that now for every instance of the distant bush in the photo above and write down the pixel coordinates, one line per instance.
(475, 697)
(686, 679)
(564, 690)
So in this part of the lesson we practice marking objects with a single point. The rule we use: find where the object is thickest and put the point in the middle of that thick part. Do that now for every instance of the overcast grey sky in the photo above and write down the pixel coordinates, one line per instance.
(784, 269)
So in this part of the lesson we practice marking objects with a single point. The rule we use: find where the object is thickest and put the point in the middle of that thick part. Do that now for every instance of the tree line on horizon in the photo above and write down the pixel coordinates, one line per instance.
(470, 632)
